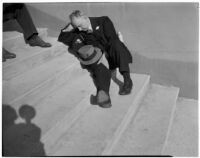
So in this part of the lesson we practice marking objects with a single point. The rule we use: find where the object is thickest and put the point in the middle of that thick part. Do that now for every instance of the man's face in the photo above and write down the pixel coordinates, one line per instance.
(81, 23)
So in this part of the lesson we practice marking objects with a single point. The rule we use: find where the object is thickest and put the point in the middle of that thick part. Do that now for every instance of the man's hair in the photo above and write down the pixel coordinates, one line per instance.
(76, 13)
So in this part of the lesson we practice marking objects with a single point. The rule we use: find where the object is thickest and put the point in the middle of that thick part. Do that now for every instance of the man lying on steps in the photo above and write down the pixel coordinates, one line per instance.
(100, 33)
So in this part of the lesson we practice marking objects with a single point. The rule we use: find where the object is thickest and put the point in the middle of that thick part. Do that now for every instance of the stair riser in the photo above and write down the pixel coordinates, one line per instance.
(36, 94)
(19, 67)
(127, 118)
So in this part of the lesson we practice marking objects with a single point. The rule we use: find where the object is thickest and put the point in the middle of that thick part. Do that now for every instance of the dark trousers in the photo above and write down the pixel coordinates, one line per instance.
(101, 76)
(118, 56)
(19, 12)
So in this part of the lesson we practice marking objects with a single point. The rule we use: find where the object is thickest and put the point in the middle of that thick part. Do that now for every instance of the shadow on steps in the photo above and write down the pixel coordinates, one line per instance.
(21, 139)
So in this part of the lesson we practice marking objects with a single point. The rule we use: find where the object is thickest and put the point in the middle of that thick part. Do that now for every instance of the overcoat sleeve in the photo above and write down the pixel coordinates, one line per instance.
(72, 39)
(67, 37)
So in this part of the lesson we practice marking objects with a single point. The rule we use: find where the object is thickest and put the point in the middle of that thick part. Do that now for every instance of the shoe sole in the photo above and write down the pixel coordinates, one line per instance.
(125, 93)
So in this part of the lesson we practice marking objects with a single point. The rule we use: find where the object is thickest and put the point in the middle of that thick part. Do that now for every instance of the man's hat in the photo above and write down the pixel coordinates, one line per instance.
(89, 54)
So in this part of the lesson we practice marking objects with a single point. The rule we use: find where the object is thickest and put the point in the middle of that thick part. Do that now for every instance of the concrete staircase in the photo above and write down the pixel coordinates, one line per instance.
(53, 83)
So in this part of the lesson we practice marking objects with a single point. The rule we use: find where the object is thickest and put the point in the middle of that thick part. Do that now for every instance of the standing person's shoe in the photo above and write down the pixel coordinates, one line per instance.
(8, 55)
(35, 40)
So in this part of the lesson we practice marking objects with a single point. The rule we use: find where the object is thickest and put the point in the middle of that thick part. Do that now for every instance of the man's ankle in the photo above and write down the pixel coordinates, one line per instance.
(126, 75)
(32, 36)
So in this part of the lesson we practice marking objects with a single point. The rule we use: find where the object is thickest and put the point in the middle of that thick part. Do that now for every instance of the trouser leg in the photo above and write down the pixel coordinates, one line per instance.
(119, 56)
(25, 21)
(101, 76)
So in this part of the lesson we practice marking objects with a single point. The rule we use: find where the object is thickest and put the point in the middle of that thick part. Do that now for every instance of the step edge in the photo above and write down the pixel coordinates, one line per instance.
(71, 118)
(39, 30)
(21, 64)
(55, 73)
(170, 122)
(35, 54)
(132, 111)
(41, 84)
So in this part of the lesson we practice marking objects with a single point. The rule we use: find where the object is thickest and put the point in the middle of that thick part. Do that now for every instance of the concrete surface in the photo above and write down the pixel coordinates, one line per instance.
(182, 140)
(13, 41)
(146, 133)
(167, 31)
(19, 85)
(30, 57)
(14, 36)
(92, 132)
(60, 103)
(50, 84)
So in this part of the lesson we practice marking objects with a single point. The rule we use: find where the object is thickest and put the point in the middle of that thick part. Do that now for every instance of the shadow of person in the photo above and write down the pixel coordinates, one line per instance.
(9, 115)
(22, 139)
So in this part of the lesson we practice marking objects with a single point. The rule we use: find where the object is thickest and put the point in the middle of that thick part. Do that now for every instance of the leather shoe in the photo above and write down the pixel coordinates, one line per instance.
(37, 41)
(127, 87)
(8, 55)
(102, 99)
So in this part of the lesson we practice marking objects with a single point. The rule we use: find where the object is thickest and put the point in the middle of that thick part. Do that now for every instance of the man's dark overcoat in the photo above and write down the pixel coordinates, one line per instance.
(103, 36)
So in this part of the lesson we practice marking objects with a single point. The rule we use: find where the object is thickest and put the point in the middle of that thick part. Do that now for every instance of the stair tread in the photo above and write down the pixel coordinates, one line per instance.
(28, 80)
(182, 140)
(59, 103)
(24, 51)
(89, 135)
(32, 58)
(8, 35)
(146, 133)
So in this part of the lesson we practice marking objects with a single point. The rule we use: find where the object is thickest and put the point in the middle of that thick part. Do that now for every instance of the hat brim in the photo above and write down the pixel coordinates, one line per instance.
(93, 60)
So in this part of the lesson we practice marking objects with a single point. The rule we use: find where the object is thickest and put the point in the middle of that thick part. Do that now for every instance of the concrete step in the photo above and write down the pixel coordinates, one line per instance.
(182, 139)
(61, 102)
(30, 57)
(146, 133)
(63, 108)
(10, 37)
(95, 129)
(31, 86)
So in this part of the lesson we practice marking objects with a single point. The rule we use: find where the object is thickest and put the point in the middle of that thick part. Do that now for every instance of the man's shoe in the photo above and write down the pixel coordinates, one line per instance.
(37, 41)
(8, 55)
(127, 87)
(103, 99)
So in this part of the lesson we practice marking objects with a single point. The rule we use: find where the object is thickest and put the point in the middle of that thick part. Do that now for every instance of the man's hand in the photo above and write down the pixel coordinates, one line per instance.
(68, 28)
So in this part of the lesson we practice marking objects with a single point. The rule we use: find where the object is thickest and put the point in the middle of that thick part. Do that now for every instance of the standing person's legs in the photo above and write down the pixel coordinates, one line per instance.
(30, 33)
(25, 21)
